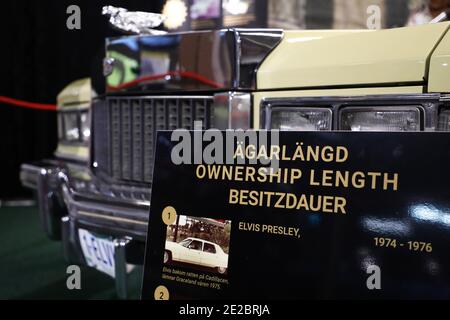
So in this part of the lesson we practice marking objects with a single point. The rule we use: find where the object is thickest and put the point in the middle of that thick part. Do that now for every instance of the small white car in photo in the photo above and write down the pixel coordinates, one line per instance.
(197, 251)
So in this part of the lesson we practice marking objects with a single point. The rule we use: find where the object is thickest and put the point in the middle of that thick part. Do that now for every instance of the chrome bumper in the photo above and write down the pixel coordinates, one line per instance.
(43, 178)
(107, 214)
(70, 197)
(126, 251)
(130, 251)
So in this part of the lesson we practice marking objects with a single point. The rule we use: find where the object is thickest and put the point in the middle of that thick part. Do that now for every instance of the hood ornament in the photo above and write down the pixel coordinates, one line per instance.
(136, 22)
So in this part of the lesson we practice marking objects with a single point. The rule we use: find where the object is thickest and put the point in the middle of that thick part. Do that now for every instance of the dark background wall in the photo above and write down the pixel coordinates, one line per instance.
(397, 13)
(39, 56)
(319, 14)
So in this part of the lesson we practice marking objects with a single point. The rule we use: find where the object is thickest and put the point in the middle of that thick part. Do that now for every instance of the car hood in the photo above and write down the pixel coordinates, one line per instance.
(314, 59)
(171, 244)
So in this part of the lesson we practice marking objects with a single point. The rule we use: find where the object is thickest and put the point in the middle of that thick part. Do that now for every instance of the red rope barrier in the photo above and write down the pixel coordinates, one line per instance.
(26, 104)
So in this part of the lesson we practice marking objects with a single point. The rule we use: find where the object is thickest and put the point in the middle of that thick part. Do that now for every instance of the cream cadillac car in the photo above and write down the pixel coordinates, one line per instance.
(100, 179)
(197, 251)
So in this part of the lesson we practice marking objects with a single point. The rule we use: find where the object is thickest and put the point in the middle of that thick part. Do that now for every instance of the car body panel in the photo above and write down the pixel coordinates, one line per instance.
(80, 153)
(199, 257)
(314, 59)
(439, 76)
(75, 96)
(77, 93)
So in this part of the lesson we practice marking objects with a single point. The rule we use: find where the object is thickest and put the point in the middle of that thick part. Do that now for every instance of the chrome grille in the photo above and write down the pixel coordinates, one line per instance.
(133, 122)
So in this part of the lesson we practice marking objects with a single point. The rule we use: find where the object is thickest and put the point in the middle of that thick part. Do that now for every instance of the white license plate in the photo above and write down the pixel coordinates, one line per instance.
(98, 252)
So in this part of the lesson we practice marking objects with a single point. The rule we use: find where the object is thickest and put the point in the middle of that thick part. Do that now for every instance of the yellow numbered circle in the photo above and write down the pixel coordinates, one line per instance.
(161, 293)
(169, 215)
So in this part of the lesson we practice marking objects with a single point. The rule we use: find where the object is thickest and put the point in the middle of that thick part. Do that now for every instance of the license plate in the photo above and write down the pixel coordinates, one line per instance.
(98, 251)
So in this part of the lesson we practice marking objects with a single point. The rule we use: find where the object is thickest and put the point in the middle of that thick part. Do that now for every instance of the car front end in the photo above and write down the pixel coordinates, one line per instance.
(100, 180)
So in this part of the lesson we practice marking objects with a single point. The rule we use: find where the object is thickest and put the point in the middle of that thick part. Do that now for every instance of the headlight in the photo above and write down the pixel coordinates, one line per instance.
(299, 119)
(74, 126)
(71, 129)
(85, 126)
(380, 119)
(444, 120)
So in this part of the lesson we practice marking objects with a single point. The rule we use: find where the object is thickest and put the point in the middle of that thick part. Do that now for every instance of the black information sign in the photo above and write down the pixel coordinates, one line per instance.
(347, 215)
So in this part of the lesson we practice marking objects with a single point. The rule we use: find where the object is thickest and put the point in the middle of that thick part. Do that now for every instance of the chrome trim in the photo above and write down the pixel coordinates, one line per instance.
(103, 200)
(445, 97)
(103, 211)
(63, 191)
(102, 216)
(174, 97)
(71, 245)
(43, 177)
(82, 106)
(214, 60)
(124, 247)
(71, 157)
(229, 107)
(108, 66)
(29, 175)
(107, 157)
(120, 263)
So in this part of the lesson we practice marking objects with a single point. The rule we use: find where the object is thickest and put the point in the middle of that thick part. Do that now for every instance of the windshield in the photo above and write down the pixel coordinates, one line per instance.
(185, 242)
(353, 14)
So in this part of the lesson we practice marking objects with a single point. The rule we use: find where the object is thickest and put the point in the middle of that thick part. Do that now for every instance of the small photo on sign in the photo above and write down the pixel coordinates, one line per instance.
(198, 243)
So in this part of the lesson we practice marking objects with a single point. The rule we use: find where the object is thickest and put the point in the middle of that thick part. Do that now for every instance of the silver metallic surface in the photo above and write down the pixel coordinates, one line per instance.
(43, 177)
(232, 110)
(120, 263)
(214, 60)
(71, 245)
(108, 66)
(136, 22)
(65, 189)
(125, 129)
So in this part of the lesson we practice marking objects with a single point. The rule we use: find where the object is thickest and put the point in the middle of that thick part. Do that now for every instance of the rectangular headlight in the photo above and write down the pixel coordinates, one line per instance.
(299, 119)
(72, 132)
(380, 119)
(444, 120)
(85, 126)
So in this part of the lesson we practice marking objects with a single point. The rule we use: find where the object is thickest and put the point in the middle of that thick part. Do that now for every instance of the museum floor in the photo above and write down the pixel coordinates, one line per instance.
(33, 267)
